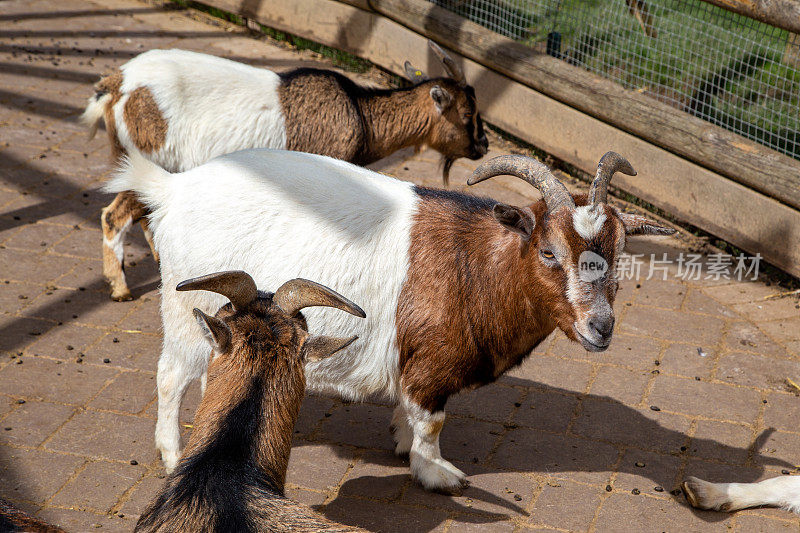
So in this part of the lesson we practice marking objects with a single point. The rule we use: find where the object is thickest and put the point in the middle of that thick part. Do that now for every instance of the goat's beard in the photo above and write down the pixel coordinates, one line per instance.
(447, 164)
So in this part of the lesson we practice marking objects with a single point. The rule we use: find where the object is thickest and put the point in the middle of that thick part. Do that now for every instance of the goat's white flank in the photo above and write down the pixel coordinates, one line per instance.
(234, 105)
(278, 215)
(781, 492)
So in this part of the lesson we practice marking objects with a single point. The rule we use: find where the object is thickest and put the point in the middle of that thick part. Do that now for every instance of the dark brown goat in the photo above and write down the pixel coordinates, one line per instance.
(231, 475)
(12, 520)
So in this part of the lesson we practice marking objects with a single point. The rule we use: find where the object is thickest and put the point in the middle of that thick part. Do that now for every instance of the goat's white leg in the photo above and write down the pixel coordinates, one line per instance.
(401, 431)
(427, 465)
(779, 492)
(173, 379)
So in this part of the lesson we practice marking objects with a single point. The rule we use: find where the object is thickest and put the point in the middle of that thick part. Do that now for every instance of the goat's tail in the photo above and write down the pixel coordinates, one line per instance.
(150, 182)
(95, 111)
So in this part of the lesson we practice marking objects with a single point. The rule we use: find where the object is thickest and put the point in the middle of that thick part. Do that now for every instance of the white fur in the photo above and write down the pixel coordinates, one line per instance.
(278, 215)
(427, 464)
(588, 221)
(781, 492)
(213, 106)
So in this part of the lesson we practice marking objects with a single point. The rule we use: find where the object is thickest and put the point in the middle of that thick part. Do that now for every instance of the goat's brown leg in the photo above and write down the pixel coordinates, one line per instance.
(148, 235)
(116, 220)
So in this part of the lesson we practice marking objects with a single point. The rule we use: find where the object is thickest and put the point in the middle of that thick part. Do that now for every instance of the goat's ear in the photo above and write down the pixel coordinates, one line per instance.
(639, 225)
(414, 74)
(519, 220)
(215, 331)
(441, 98)
(319, 347)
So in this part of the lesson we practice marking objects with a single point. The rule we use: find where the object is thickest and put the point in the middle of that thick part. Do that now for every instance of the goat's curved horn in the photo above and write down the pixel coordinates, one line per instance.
(298, 293)
(453, 70)
(610, 163)
(537, 174)
(236, 285)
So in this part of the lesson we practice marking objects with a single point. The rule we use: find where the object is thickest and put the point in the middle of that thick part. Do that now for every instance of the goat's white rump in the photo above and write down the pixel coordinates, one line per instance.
(232, 104)
(359, 249)
(781, 492)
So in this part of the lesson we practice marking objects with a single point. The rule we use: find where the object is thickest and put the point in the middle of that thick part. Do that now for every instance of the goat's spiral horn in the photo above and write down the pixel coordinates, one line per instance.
(610, 163)
(298, 293)
(236, 285)
(453, 70)
(534, 172)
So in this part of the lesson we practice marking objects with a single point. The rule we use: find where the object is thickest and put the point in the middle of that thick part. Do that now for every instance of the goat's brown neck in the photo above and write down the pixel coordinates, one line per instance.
(395, 120)
(265, 426)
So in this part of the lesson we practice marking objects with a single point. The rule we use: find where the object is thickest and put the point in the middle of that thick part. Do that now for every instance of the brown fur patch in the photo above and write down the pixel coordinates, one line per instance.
(478, 298)
(468, 310)
(144, 120)
(112, 85)
(328, 114)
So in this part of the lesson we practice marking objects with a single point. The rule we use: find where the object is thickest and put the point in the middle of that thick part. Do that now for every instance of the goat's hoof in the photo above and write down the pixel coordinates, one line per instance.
(704, 495)
(439, 475)
(121, 296)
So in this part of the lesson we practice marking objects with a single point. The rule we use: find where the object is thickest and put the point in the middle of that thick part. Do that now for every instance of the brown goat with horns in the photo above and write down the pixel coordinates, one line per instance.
(232, 473)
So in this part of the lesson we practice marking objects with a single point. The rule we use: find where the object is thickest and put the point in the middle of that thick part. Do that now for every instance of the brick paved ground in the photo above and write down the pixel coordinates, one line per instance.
(553, 445)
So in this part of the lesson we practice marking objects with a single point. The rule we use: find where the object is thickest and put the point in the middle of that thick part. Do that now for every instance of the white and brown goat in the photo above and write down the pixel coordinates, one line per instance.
(783, 492)
(231, 475)
(458, 288)
(180, 109)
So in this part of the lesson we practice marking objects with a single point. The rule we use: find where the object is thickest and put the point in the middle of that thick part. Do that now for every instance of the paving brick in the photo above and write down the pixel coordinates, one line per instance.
(46, 379)
(766, 310)
(467, 440)
(379, 475)
(98, 486)
(550, 411)
(626, 512)
(130, 392)
(20, 265)
(554, 372)
(479, 526)
(665, 294)
(37, 237)
(781, 411)
(672, 326)
(762, 524)
(757, 371)
(359, 425)
(86, 307)
(620, 384)
(312, 412)
(685, 360)
(644, 428)
(34, 474)
(778, 450)
(747, 336)
(384, 517)
(138, 351)
(627, 350)
(72, 520)
(318, 466)
(32, 422)
(699, 302)
(527, 450)
(15, 296)
(549, 507)
(721, 441)
(107, 436)
(65, 342)
(738, 293)
(646, 470)
(494, 403)
(691, 397)
(784, 330)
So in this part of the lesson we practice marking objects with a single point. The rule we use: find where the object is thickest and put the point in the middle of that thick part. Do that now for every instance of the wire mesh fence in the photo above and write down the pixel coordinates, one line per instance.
(725, 68)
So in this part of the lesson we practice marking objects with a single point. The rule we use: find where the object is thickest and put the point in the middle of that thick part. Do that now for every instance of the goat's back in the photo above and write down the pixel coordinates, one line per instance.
(280, 215)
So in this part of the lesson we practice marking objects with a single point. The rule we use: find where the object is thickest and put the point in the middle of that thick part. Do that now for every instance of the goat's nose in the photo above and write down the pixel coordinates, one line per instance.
(602, 326)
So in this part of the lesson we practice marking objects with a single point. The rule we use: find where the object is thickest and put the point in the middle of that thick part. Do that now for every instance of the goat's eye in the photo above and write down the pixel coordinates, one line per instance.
(547, 254)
